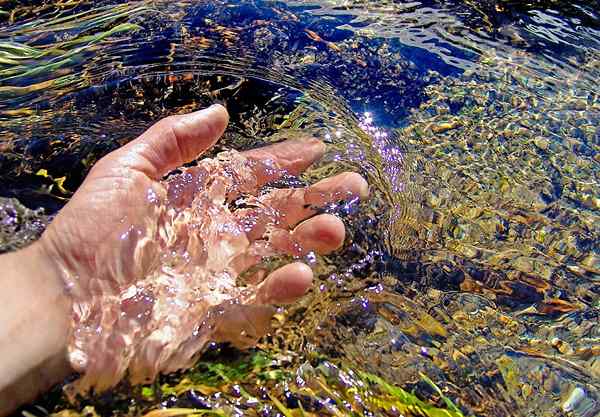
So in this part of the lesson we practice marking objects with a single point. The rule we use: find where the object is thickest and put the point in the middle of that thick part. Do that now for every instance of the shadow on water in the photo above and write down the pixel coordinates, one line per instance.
(471, 279)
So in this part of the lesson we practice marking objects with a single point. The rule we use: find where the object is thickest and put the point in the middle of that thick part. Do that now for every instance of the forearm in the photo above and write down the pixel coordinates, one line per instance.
(34, 326)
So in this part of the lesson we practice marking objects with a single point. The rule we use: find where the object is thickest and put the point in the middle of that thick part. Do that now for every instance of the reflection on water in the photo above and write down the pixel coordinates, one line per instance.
(476, 262)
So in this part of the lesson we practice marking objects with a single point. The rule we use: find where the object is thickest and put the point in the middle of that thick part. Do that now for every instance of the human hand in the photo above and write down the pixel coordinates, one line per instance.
(151, 265)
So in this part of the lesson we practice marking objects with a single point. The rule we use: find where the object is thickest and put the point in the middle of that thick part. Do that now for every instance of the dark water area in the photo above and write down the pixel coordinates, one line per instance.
(476, 264)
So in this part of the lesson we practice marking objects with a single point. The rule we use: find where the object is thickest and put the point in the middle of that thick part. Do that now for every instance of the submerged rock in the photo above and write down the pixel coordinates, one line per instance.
(19, 226)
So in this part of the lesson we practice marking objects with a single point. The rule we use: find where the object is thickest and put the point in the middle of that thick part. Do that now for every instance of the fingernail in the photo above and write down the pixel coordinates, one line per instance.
(314, 144)
(213, 110)
(215, 106)
(201, 113)
(310, 140)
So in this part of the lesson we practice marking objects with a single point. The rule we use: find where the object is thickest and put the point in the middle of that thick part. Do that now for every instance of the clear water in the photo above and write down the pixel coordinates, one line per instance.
(476, 263)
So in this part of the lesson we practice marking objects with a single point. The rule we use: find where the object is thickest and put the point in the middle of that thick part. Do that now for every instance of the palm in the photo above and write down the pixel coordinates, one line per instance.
(152, 265)
(86, 224)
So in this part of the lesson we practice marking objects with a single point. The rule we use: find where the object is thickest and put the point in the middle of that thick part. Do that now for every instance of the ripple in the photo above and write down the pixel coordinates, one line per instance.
(476, 260)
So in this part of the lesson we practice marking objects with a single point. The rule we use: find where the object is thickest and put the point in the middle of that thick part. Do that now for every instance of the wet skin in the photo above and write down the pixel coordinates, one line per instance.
(36, 326)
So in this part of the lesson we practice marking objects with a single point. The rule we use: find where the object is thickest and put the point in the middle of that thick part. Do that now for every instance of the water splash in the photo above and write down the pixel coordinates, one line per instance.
(173, 283)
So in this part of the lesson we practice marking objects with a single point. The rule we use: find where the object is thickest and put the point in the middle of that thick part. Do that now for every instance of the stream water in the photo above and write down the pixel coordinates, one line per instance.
(472, 275)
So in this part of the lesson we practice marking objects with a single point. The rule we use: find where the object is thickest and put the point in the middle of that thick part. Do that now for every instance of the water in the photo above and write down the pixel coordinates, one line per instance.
(475, 264)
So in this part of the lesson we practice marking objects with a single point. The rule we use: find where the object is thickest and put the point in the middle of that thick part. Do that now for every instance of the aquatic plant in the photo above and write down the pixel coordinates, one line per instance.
(39, 62)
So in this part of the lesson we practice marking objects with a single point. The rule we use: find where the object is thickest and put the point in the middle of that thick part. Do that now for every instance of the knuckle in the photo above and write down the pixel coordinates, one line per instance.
(171, 140)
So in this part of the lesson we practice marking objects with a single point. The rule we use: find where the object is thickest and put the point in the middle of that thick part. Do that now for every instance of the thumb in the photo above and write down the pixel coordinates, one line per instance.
(175, 140)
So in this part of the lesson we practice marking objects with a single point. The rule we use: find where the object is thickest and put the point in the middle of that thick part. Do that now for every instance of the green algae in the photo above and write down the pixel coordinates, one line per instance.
(324, 389)
(42, 61)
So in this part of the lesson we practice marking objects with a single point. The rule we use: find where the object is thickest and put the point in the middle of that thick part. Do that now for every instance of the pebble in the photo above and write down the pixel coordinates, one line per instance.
(542, 143)
(574, 399)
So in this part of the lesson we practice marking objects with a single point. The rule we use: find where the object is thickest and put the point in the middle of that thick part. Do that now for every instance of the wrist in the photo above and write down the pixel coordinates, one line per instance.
(34, 327)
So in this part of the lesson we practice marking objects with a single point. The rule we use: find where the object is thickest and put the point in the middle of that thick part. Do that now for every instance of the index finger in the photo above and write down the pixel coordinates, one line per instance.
(290, 157)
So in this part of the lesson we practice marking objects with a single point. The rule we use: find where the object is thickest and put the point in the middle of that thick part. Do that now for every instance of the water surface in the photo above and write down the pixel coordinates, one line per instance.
(476, 264)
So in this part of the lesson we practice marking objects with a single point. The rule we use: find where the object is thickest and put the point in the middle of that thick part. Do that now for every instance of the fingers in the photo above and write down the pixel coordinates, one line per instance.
(288, 207)
(290, 157)
(257, 251)
(298, 204)
(323, 234)
(285, 285)
(342, 187)
(242, 325)
(174, 141)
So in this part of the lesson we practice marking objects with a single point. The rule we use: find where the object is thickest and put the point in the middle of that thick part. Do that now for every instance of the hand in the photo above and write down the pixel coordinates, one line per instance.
(150, 265)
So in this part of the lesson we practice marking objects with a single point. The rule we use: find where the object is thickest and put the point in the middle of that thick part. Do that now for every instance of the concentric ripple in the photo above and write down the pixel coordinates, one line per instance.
(475, 264)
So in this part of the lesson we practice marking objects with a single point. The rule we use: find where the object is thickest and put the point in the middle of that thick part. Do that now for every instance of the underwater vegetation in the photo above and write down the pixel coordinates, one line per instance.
(469, 284)
(254, 384)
